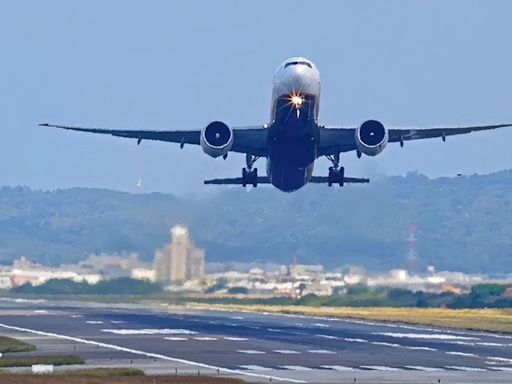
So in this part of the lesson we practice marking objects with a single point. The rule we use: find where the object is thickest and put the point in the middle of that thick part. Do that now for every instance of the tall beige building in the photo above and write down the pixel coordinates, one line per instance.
(180, 260)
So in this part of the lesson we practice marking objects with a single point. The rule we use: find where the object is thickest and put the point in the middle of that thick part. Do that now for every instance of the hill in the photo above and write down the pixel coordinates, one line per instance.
(461, 223)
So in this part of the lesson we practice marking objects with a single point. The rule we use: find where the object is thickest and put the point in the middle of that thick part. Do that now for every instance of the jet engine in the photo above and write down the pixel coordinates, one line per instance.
(216, 139)
(371, 137)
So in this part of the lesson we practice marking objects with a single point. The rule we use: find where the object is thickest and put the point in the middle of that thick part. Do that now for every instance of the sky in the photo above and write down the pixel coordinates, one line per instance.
(182, 64)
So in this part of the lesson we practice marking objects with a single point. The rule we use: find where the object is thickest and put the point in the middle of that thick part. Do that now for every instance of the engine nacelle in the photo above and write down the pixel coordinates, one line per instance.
(371, 137)
(216, 139)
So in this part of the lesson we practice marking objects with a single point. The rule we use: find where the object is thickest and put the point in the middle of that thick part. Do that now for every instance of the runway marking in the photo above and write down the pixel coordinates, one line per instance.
(421, 368)
(94, 322)
(175, 338)
(466, 369)
(150, 331)
(295, 368)
(500, 359)
(286, 351)
(117, 321)
(274, 330)
(437, 336)
(503, 369)
(461, 354)
(205, 338)
(421, 348)
(42, 311)
(380, 368)
(321, 351)
(235, 338)
(255, 368)
(321, 325)
(462, 343)
(150, 354)
(355, 340)
(340, 368)
(237, 317)
(327, 336)
(491, 344)
(386, 344)
(250, 352)
(75, 316)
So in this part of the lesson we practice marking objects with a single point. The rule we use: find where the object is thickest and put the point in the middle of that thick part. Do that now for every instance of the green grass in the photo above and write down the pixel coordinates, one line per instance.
(28, 361)
(8, 344)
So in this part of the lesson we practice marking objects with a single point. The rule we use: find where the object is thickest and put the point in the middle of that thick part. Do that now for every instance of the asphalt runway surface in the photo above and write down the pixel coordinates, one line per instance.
(264, 347)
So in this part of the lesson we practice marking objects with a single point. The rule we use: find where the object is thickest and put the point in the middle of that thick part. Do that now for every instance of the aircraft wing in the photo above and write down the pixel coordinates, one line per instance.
(334, 140)
(252, 140)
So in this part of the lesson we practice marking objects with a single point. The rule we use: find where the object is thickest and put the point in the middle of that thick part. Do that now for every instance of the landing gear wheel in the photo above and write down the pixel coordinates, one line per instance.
(255, 177)
(336, 176)
(244, 177)
(250, 177)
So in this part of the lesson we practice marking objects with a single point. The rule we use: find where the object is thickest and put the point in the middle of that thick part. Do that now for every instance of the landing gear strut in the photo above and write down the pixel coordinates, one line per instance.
(250, 175)
(336, 173)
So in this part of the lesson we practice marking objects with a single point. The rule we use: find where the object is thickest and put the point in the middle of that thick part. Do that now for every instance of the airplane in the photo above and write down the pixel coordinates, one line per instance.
(293, 139)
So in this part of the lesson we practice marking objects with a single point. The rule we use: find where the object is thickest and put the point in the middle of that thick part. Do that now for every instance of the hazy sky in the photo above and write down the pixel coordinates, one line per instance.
(180, 65)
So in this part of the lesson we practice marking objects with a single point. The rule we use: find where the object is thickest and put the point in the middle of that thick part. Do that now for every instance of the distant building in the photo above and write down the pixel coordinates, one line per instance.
(179, 261)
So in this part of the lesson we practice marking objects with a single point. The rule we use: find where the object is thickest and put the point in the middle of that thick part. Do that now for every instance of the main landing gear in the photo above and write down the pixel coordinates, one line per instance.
(336, 173)
(250, 175)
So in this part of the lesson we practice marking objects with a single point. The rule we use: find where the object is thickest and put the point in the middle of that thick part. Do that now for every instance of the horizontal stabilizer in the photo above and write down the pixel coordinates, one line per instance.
(236, 181)
(325, 179)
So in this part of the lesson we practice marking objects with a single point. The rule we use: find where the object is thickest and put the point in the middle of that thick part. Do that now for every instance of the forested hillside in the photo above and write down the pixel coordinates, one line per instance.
(462, 223)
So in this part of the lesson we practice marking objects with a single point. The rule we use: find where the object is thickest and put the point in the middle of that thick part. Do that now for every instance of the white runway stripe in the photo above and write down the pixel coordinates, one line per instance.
(386, 344)
(175, 338)
(380, 368)
(321, 351)
(355, 340)
(491, 344)
(250, 352)
(255, 368)
(466, 369)
(295, 367)
(437, 336)
(421, 348)
(421, 368)
(150, 331)
(286, 351)
(94, 322)
(235, 338)
(500, 359)
(327, 336)
(502, 369)
(340, 368)
(205, 338)
(461, 354)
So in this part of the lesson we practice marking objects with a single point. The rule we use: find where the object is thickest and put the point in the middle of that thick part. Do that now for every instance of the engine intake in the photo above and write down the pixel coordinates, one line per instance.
(371, 137)
(216, 139)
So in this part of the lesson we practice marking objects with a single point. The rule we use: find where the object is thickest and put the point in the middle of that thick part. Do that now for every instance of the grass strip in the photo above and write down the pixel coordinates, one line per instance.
(8, 344)
(28, 361)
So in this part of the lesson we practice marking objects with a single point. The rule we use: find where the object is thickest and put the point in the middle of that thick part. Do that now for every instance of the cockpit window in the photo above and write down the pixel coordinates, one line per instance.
(297, 63)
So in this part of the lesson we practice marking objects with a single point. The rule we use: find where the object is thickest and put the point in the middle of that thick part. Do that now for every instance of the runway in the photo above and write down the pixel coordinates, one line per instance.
(263, 347)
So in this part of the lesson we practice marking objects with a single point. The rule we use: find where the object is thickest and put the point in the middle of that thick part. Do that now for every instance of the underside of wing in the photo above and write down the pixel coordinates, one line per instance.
(251, 140)
(339, 140)
(400, 135)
